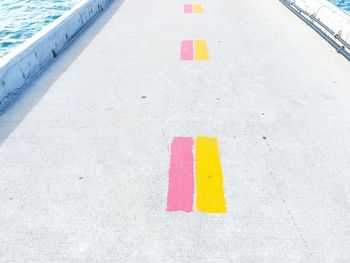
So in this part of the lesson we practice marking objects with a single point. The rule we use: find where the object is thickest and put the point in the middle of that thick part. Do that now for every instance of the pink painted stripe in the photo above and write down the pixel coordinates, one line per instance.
(187, 9)
(187, 50)
(181, 178)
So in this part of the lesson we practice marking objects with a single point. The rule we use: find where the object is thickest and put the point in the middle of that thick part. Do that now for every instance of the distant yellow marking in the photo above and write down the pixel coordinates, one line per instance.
(197, 8)
(210, 196)
(201, 50)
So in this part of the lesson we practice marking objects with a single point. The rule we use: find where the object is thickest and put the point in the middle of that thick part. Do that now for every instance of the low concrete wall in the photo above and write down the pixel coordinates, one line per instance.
(24, 63)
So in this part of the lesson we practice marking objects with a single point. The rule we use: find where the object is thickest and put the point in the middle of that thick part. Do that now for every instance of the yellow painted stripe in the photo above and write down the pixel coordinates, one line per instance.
(201, 50)
(197, 8)
(210, 196)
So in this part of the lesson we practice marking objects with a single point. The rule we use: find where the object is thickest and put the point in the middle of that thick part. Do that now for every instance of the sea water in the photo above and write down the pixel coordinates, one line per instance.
(21, 19)
(343, 4)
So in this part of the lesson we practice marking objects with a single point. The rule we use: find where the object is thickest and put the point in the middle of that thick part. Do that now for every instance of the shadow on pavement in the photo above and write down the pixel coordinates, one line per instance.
(13, 114)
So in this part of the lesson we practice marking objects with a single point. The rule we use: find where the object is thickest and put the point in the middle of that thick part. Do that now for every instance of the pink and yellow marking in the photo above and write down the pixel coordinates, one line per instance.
(194, 50)
(195, 8)
(209, 183)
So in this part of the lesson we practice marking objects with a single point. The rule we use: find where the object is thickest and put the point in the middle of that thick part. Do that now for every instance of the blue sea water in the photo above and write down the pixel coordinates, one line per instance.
(21, 19)
(343, 4)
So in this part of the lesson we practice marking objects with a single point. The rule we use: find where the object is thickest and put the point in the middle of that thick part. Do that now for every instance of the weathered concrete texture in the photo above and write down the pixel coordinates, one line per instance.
(84, 159)
(18, 68)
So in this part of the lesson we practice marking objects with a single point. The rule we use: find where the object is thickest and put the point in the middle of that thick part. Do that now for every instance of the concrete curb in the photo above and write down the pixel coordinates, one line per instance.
(23, 64)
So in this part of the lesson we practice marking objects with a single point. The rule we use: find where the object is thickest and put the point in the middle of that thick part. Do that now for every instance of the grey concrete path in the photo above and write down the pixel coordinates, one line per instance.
(84, 159)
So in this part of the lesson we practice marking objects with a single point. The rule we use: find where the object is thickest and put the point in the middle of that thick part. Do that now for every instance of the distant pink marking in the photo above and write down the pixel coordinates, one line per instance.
(187, 50)
(187, 9)
(181, 178)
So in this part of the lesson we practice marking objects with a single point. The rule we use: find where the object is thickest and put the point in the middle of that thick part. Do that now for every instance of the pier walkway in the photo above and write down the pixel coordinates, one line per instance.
(84, 151)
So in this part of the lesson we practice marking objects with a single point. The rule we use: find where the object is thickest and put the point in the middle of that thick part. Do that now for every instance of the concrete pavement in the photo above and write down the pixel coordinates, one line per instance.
(84, 152)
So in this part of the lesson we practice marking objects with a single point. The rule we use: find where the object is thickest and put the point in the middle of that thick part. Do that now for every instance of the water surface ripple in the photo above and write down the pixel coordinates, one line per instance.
(343, 4)
(21, 19)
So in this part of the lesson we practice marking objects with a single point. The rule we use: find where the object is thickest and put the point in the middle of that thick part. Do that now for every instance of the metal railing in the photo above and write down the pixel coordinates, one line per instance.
(334, 38)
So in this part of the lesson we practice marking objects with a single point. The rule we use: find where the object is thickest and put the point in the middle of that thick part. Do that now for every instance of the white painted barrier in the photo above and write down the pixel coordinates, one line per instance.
(28, 60)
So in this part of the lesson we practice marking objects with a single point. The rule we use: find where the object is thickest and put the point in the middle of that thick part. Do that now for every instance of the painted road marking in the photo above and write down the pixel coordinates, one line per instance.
(197, 8)
(187, 50)
(181, 178)
(201, 50)
(210, 196)
(196, 49)
(188, 9)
